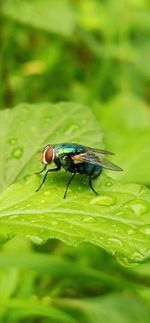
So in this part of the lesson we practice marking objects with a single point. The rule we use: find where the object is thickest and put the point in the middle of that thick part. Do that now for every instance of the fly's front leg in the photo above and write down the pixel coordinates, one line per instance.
(41, 171)
(44, 178)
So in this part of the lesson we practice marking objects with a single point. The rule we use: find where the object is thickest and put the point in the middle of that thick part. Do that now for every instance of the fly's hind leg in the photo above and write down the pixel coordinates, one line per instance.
(90, 184)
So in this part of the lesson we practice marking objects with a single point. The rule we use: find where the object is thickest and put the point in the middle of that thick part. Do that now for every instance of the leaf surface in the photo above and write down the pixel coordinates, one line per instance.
(117, 220)
(25, 130)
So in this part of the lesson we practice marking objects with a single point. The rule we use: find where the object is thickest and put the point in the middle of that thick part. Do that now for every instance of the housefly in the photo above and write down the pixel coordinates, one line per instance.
(76, 158)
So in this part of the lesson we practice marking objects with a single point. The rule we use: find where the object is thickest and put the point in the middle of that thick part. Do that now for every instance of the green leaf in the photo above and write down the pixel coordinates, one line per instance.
(117, 220)
(27, 128)
(60, 269)
(54, 16)
(114, 308)
(126, 125)
(24, 308)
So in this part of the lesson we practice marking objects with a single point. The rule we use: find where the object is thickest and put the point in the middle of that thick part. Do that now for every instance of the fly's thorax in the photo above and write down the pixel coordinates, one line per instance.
(47, 155)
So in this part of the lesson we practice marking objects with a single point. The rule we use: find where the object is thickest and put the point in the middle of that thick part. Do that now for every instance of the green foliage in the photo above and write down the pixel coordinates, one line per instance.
(112, 220)
(123, 309)
(28, 128)
(115, 220)
(53, 16)
(125, 121)
(96, 53)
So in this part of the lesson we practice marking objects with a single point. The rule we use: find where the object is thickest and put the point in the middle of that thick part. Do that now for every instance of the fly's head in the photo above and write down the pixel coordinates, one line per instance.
(47, 155)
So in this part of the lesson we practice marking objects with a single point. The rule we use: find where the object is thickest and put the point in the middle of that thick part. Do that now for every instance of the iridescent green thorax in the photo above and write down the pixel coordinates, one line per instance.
(67, 148)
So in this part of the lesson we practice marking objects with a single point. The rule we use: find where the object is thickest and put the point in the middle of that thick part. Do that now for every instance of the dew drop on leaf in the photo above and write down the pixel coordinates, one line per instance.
(17, 152)
(37, 239)
(124, 261)
(105, 200)
(13, 141)
(54, 222)
(115, 241)
(138, 256)
(138, 206)
(130, 231)
(47, 193)
(108, 184)
(145, 229)
(89, 219)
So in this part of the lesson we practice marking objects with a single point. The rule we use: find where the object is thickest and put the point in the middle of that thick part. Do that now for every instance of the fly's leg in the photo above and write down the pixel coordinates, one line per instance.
(41, 171)
(70, 180)
(90, 184)
(44, 178)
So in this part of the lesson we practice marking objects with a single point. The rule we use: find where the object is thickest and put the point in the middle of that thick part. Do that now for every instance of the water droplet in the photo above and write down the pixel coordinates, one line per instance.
(108, 184)
(145, 229)
(124, 261)
(54, 222)
(42, 201)
(138, 256)
(121, 213)
(105, 200)
(115, 241)
(131, 231)
(138, 206)
(47, 193)
(13, 141)
(89, 219)
(17, 152)
(36, 239)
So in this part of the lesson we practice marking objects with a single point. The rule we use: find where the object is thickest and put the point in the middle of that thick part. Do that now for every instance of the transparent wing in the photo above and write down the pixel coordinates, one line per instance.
(88, 157)
(100, 151)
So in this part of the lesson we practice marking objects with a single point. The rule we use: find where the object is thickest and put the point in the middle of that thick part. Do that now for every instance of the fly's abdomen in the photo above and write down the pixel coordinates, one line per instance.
(96, 171)
(89, 169)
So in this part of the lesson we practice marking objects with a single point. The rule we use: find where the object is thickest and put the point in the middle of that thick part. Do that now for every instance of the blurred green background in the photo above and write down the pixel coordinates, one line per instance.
(96, 53)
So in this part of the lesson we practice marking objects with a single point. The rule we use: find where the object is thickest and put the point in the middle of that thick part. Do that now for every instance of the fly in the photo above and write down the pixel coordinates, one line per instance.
(77, 159)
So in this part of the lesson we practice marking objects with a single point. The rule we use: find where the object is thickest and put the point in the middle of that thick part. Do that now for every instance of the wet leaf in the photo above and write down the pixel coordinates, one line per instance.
(116, 220)
(25, 130)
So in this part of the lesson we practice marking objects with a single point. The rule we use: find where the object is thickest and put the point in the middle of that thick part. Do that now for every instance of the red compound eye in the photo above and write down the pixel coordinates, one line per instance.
(49, 155)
